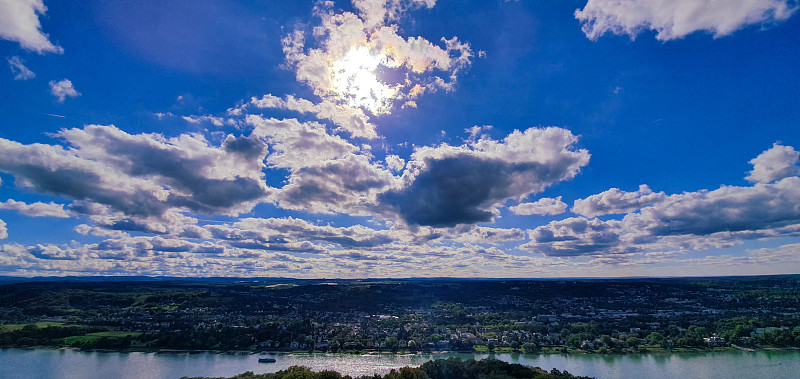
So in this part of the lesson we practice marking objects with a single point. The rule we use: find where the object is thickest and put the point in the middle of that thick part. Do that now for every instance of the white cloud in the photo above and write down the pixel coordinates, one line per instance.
(341, 61)
(577, 236)
(476, 131)
(297, 144)
(774, 164)
(395, 163)
(484, 235)
(63, 89)
(543, 206)
(144, 175)
(687, 221)
(327, 173)
(376, 12)
(3, 230)
(615, 201)
(353, 120)
(196, 120)
(677, 18)
(37, 209)
(19, 70)
(19, 22)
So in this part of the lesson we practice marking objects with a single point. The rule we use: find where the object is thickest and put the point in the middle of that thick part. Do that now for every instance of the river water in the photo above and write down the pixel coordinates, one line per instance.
(47, 363)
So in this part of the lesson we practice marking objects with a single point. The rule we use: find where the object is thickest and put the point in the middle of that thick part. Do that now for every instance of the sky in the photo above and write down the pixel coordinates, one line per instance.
(399, 138)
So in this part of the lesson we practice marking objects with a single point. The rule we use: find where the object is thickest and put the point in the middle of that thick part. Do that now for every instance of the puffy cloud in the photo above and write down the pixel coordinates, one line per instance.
(19, 22)
(63, 89)
(687, 221)
(342, 60)
(327, 173)
(296, 145)
(19, 70)
(377, 12)
(677, 18)
(52, 169)
(450, 185)
(616, 201)
(349, 185)
(139, 175)
(277, 233)
(214, 120)
(395, 163)
(543, 206)
(785, 254)
(576, 236)
(37, 209)
(483, 235)
(353, 120)
(774, 164)
(727, 209)
(199, 177)
(3, 230)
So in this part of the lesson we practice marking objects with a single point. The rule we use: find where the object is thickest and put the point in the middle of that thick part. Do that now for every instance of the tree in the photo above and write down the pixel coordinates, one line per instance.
(392, 343)
(655, 338)
(606, 340)
(530, 348)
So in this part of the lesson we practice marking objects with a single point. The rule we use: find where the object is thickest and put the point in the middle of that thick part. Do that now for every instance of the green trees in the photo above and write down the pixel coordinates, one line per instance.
(607, 341)
(392, 343)
(655, 338)
(530, 348)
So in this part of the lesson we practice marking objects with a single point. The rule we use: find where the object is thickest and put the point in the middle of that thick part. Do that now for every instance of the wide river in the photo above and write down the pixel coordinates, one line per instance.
(46, 363)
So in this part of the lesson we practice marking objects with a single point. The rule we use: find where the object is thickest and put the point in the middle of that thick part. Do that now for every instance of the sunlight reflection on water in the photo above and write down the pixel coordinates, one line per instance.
(46, 363)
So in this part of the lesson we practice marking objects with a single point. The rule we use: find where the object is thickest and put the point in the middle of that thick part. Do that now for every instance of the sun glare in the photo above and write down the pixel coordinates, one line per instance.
(355, 81)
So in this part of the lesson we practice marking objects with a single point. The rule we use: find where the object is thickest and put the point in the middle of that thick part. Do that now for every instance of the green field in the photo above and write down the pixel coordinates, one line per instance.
(91, 337)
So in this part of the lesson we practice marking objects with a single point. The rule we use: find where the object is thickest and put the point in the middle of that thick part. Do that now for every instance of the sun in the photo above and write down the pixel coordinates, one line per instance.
(355, 81)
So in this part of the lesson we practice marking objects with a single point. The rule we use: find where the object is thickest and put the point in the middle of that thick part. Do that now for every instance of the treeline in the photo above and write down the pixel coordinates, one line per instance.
(31, 335)
(452, 368)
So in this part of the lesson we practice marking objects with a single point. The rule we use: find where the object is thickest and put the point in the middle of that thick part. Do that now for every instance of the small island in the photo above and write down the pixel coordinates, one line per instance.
(437, 369)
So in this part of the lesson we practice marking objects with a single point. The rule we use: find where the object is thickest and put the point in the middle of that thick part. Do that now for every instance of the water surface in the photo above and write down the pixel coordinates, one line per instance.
(47, 363)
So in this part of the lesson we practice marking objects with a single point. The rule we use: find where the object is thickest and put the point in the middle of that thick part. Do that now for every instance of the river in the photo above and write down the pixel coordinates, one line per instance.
(51, 363)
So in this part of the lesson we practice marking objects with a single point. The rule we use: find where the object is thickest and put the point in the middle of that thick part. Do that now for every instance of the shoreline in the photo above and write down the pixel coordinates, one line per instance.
(727, 349)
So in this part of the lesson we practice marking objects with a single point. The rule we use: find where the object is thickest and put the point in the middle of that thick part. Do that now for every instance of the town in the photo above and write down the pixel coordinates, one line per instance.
(525, 316)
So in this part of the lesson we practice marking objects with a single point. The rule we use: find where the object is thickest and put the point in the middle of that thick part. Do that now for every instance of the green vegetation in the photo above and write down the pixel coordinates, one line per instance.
(452, 368)
(533, 317)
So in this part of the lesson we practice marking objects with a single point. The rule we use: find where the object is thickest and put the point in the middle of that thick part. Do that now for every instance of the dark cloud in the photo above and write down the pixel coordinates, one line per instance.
(576, 236)
(453, 191)
(218, 195)
(141, 175)
(447, 185)
(248, 147)
(343, 185)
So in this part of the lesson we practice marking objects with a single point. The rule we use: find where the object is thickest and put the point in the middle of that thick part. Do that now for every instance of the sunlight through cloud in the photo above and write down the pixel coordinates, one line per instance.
(355, 80)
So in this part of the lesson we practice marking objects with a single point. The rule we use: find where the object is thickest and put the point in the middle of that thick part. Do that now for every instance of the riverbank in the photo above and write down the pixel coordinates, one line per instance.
(545, 351)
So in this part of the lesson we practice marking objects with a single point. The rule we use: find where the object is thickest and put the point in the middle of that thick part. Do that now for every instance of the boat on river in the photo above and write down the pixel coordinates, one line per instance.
(266, 360)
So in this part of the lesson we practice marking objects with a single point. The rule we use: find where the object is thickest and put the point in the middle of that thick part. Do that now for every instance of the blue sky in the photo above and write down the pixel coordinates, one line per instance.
(399, 138)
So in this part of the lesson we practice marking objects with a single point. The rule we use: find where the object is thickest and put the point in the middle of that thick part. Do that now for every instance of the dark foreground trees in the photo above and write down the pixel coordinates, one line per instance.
(452, 368)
